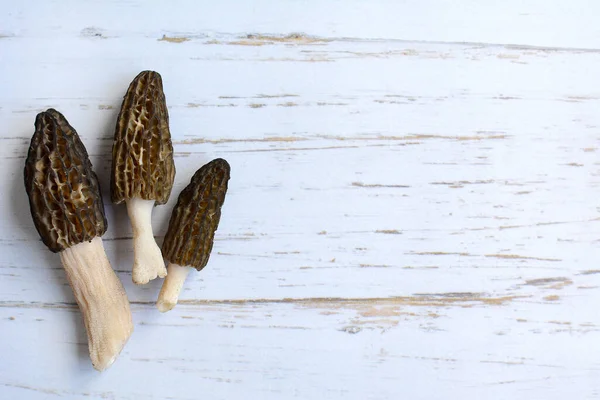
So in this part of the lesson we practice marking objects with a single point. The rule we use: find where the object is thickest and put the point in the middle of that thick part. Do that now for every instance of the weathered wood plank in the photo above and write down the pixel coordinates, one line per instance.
(327, 348)
(348, 192)
(531, 22)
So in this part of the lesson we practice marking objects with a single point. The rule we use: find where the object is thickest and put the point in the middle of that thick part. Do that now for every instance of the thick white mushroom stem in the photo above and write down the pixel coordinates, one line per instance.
(101, 299)
(148, 262)
(169, 293)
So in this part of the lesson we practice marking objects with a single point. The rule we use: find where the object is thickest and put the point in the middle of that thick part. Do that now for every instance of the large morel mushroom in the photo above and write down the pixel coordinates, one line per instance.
(142, 168)
(190, 236)
(68, 213)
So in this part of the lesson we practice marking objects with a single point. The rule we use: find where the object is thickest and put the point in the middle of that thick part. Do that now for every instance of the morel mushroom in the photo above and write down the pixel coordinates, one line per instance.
(191, 232)
(142, 168)
(68, 213)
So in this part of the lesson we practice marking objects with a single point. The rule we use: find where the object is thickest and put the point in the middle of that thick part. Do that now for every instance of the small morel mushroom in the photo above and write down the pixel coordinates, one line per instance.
(142, 168)
(191, 232)
(68, 213)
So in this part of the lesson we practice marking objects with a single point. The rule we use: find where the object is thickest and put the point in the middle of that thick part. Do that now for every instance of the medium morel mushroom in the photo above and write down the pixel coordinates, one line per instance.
(142, 168)
(68, 213)
(191, 232)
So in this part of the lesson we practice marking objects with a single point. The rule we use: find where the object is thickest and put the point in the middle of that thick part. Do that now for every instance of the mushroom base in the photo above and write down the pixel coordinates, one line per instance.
(101, 299)
(169, 293)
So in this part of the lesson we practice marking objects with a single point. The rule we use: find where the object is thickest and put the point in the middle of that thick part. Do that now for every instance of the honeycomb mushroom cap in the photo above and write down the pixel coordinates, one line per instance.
(195, 218)
(142, 154)
(64, 193)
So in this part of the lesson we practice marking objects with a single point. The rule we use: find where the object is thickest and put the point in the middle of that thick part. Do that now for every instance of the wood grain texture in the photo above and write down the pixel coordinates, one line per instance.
(412, 209)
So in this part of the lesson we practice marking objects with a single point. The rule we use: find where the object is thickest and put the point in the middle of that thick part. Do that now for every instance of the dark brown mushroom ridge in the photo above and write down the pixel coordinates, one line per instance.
(195, 218)
(64, 194)
(142, 154)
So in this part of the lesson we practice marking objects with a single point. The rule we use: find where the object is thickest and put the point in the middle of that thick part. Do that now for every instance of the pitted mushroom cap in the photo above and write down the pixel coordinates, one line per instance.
(195, 218)
(142, 154)
(64, 194)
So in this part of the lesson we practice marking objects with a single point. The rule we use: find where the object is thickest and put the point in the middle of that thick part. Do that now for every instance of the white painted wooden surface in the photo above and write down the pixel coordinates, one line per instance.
(412, 211)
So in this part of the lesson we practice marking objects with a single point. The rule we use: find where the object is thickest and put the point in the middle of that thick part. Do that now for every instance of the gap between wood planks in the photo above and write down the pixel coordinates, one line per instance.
(257, 39)
(459, 299)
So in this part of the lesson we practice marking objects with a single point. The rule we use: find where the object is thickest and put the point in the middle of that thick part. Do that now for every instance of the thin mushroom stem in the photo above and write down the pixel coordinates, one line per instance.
(148, 262)
(101, 299)
(169, 293)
